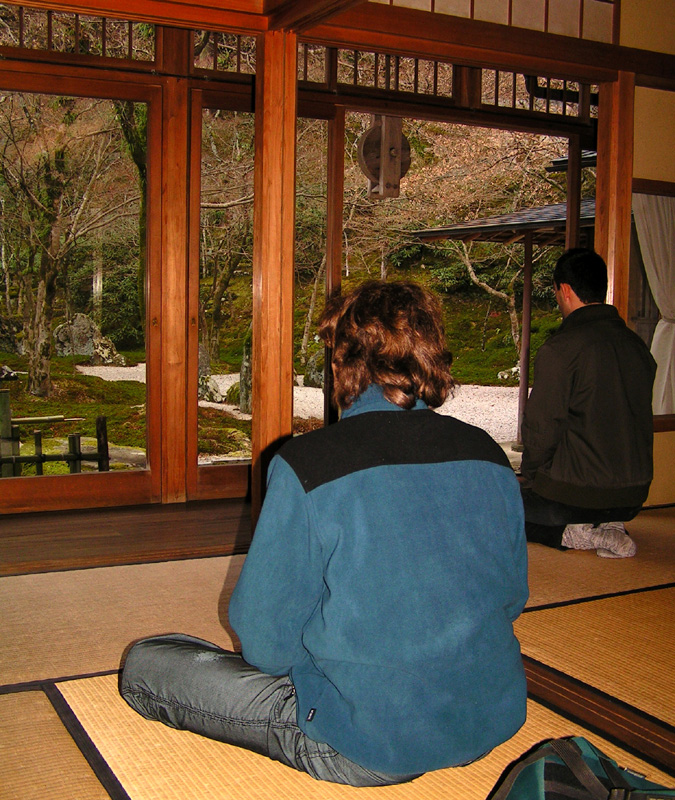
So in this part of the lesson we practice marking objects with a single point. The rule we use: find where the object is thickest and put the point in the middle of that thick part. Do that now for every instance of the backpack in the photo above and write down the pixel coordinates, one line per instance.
(574, 769)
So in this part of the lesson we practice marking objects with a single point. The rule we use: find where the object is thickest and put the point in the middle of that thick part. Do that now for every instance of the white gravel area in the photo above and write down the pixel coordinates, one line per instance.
(136, 373)
(494, 408)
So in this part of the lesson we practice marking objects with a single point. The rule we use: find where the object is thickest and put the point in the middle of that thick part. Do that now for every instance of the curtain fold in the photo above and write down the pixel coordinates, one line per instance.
(655, 223)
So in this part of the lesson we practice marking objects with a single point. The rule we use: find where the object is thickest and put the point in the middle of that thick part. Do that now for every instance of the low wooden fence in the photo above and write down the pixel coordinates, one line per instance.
(11, 460)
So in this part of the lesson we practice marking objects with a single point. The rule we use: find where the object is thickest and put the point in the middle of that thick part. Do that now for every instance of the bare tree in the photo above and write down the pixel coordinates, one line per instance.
(226, 216)
(59, 162)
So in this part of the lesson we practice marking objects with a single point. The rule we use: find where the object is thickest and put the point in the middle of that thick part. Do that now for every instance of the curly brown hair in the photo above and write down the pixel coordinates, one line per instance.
(390, 334)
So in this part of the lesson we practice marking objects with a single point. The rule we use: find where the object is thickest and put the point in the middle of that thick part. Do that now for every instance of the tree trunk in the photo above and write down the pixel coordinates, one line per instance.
(383, 267)
(245, 376)
(37, 328)
(508, 298)
(97, 283)
(5, 266)
(133, 120)
(310, 311)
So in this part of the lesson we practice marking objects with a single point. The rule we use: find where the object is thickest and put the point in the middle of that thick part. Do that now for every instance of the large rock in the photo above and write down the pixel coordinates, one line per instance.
(82, 337)
(209, 390)
(505, 374)
(314, 370)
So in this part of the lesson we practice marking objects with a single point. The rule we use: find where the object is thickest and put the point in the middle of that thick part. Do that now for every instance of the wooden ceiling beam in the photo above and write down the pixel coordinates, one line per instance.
(406, 31)
(298, 15)
(241, 16)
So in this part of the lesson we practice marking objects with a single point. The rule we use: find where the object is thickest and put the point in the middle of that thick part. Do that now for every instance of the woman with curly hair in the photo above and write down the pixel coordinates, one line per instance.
(376, 604)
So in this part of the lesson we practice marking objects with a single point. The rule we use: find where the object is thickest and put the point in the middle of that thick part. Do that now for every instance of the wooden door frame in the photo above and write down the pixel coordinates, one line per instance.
(273, 251)
(133, 487)
(207, 481)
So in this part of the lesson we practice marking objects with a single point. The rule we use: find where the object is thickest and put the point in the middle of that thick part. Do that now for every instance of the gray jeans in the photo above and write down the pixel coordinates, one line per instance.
(194, 685)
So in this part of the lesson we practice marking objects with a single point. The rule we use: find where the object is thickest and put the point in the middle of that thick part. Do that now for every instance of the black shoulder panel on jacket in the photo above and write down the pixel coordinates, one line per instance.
(380, 438)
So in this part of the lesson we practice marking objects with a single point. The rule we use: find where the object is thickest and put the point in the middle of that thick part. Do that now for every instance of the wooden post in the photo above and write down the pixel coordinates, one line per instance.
(525, 336)
(572, 231)
(37, 439)
(273, 251)
(6, 470)
(336, 172)
(16, 450)
(102, 444)
(175, 44)
(614, 184)
(74, 449)
(466, 86)
(389, 175)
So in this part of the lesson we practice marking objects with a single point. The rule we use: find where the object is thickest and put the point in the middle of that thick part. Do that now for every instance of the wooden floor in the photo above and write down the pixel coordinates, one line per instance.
(133, 535)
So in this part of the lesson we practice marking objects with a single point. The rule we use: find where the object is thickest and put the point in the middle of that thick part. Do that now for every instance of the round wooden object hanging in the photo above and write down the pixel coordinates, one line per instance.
(369, 153)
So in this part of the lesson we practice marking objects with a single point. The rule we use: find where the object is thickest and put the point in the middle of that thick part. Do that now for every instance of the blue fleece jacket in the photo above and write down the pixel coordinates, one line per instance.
(387, 567)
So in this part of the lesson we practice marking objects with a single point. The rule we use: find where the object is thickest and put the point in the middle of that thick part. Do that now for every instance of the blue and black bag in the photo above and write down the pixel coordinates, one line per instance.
(574, 769)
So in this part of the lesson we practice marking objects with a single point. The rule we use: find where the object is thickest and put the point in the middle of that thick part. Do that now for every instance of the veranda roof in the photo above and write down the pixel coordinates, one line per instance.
(546, 224)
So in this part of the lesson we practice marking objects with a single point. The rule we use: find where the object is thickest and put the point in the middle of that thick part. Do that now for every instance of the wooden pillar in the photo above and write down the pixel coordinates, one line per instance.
(572, 231)
(174, 308)
(334, 230)
(273, 251)
(194, 222)
(614, 184)
(525, 335)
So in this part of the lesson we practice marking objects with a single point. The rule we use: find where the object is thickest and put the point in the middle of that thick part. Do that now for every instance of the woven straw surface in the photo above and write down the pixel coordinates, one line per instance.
(78, 622)
(624, 646)
(38, 759)
(59, 624)
(154, 762)
(557, 576)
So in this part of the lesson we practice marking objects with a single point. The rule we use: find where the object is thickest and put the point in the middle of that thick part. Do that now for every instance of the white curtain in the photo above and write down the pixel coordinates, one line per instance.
(655, 222)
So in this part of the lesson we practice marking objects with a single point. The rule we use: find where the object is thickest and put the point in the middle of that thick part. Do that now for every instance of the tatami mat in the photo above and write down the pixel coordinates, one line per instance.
(61, 624)
(74, 623)
(38, 758)
(624, 646)
(557, 576)
(79, 622)
(152, 761)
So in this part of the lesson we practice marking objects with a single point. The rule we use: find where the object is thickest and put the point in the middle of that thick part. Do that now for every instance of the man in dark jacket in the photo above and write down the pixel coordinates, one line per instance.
(376, 604)
(587, 430)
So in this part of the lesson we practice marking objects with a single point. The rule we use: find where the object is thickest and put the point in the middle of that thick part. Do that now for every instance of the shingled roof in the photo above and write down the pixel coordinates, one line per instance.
(546, 225)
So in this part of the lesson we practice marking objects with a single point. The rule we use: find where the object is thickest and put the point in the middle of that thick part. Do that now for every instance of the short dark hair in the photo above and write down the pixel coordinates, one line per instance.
(585, 271)
(390, 334)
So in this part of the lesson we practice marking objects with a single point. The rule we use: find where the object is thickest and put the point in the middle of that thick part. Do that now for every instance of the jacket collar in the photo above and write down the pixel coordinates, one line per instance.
(373, 399)
(590, 313)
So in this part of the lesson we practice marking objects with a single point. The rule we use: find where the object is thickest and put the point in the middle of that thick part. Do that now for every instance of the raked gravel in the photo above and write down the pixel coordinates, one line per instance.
(494, 408)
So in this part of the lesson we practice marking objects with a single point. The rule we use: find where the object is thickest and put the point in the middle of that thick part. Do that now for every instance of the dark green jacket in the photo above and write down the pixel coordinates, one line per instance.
(588, 430)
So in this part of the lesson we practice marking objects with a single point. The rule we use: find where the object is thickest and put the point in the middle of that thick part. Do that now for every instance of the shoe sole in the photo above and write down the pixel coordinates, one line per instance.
(609, 554)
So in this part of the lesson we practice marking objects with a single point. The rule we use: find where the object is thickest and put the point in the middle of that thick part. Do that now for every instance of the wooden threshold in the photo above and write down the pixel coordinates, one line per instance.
(63, 540)
(650, 738)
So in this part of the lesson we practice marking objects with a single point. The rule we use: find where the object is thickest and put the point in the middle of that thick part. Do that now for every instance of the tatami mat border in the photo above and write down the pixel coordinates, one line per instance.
(99, 765)
(645, 736)
(591, 598)
(80, 737)
(31, 686)
(639, 733)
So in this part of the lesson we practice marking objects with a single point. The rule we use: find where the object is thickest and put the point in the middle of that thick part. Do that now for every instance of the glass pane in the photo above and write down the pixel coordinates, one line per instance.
(457, 176)
(310, 273)
(225, 287)
(72, 195)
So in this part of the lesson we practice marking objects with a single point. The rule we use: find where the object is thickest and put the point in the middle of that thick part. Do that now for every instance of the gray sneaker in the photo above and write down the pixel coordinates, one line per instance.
(579, 537)
(613, 541)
